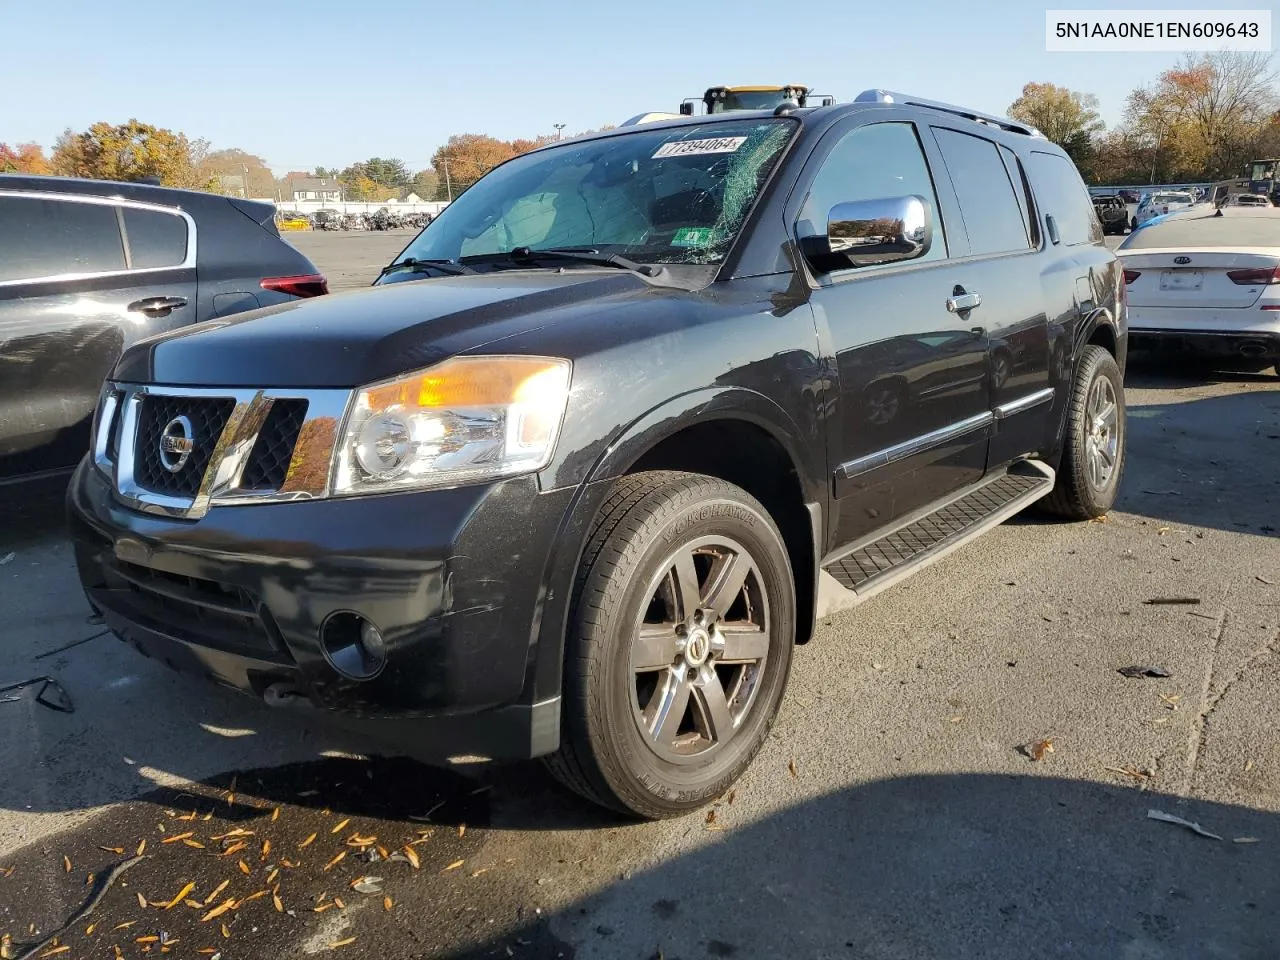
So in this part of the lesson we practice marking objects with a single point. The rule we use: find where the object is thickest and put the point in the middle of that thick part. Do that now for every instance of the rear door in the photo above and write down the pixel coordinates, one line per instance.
(80, 279)
(1001, 269)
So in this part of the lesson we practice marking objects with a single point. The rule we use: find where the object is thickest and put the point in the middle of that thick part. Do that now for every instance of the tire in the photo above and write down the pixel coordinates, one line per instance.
(1078, 494)
(615, 749)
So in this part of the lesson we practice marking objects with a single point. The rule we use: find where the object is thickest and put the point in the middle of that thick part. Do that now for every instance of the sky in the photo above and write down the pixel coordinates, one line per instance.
(327, 83)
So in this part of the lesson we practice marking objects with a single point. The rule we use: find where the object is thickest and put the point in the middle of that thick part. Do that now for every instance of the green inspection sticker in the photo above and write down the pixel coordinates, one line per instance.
(692, 237)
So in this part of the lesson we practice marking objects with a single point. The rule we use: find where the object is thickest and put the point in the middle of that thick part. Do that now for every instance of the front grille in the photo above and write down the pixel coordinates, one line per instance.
(269, 460)
(208, 416)
(191, 608)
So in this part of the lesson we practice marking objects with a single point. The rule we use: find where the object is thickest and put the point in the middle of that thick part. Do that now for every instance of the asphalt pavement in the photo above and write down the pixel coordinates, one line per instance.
(898, 810)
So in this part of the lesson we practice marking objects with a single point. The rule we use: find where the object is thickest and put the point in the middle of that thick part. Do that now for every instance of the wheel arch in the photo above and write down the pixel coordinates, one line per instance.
(694, 432)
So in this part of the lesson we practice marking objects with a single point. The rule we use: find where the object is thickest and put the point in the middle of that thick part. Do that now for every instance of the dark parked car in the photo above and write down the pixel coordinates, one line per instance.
(610, 437)
(88, 267)
(1113, 213)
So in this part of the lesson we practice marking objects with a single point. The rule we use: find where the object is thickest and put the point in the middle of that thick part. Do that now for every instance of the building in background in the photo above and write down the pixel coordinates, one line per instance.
(325, 189)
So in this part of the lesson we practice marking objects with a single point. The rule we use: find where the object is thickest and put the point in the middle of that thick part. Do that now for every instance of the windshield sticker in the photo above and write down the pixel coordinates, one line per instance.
(693, 237)
(688, 148)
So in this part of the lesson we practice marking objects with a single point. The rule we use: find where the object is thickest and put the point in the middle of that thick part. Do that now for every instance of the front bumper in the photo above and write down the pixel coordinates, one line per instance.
(451, 578)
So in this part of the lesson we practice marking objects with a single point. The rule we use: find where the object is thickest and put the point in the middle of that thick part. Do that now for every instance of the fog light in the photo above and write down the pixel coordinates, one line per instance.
(353, 646)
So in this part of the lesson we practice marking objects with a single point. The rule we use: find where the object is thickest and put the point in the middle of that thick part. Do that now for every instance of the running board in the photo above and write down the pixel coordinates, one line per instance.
(929, 535)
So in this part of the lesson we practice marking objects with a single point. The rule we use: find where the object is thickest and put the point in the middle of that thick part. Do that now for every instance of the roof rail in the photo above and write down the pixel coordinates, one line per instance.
(1004, 123)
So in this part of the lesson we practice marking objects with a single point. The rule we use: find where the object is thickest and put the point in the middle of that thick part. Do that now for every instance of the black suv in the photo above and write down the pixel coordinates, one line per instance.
(88, 267)
(612, 432)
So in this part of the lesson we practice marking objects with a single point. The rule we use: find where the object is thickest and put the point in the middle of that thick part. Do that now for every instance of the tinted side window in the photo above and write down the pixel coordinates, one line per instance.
(1061, 194)
(873, 162)
(1023, 191)
(987, 198)
(155, 239)
(45, 238)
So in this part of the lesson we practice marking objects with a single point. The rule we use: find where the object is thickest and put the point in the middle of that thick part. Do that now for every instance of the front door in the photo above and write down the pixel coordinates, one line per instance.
(913, 413)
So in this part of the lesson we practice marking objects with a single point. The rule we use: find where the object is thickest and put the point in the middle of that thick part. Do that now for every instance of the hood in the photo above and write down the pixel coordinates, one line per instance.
(361, 336)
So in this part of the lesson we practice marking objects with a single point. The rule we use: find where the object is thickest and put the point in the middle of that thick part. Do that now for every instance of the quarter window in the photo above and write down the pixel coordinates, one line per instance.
(872, 162)
(155, 239)
(988, 200)
(1062, 195)
(45, 238)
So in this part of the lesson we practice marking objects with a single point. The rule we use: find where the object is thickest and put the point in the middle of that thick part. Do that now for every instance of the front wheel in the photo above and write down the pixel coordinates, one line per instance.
(679, 647)
(1094, 445)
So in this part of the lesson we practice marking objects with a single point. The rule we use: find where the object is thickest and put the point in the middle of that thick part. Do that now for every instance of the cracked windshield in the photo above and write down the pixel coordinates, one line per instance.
(658, 196)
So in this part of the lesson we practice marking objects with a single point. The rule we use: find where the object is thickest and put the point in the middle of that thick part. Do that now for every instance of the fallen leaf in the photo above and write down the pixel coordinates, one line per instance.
(180, 836)
(732, 796)
(341, 943)
(1171, 700)
(957, 719)
(253, 896)
(193, 904)
(411, 855)
(66, 864)
(237, 832)
(462, 830)
(226, 932)
(387, 903)
(307, 842)
(88, 931)
(476, 873)
(123, 926)
(182, 895)
(219, 910)
(1245, 840)
(216, 890)
(271, 877)
(234, 848)
(289, 864)
(276, 901)
(55, 951)
(194, 844)
(150, 938)
(711, 816)
(334, 862)
(366, 884)
(1170, 818)
(455, 865)
(1248, 766)
(118, 851)
(142, 901)
(266, 849)
(338, 828)
(337, 902)
(142, 845)
(791, 766)
(244, 867)
(275, 814)
(7, 871)
(1038, 749)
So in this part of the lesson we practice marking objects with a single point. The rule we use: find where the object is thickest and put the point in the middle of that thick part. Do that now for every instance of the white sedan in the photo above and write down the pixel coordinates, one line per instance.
(1208, 284)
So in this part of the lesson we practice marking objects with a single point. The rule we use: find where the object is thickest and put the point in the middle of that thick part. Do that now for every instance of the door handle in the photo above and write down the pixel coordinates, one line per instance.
(959, 302)
(157, 306)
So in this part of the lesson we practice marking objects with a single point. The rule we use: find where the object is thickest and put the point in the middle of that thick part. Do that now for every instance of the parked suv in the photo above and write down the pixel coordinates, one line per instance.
(612, 433)
(88, 267)
(1113, 214)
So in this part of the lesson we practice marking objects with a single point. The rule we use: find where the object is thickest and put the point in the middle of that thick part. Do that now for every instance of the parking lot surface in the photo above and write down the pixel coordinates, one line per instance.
(896, 812)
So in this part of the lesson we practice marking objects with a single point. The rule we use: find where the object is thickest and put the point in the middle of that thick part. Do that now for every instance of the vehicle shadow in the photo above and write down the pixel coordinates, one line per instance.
(942, 866)
(1235, 490)
(32, 511)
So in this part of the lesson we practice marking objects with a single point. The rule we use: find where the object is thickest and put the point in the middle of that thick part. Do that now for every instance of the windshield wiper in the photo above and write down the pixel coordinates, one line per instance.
(580, 254)
(450, 267)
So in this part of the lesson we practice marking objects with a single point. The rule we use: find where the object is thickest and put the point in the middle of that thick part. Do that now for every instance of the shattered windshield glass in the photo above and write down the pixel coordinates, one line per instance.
(675, 195)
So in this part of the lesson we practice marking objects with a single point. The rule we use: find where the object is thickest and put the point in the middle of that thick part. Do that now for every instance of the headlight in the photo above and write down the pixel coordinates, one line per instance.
(466, 420)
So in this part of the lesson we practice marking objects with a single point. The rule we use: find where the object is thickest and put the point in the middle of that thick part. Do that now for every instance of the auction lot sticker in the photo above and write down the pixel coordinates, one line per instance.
(687, 148)
(1156, 31)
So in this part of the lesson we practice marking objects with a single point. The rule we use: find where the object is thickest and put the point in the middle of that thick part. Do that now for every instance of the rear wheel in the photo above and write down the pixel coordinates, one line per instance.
(1093, 454)
(680, 645)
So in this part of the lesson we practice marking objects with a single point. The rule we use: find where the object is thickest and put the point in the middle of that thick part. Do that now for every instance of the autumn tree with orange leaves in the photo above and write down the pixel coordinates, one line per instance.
(24, 158)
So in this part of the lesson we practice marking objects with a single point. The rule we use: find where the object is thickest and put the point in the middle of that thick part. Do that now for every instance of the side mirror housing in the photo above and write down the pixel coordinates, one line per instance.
(865, 232)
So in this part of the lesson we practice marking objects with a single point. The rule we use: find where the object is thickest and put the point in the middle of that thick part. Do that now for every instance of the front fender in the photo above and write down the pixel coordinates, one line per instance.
(629, 444)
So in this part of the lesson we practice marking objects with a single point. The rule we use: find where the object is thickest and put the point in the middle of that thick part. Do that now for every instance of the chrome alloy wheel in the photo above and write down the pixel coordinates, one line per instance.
(1102, 442)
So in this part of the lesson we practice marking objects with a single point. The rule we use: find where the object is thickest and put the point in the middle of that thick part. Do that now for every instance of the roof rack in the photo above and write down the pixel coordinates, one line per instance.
(1004, 123)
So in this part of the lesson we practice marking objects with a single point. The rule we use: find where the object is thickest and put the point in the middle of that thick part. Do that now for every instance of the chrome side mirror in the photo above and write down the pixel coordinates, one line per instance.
(884, 230)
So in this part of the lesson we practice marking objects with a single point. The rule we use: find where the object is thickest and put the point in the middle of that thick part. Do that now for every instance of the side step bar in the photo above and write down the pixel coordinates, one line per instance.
(929, 535)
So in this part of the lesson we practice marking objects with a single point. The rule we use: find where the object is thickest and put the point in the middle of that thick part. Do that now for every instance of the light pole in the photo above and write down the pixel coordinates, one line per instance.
(559, 127)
